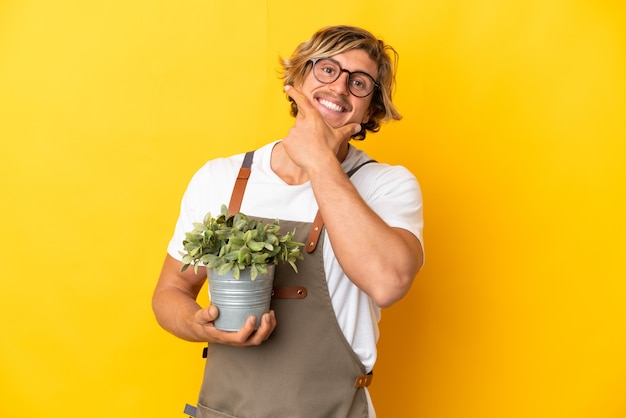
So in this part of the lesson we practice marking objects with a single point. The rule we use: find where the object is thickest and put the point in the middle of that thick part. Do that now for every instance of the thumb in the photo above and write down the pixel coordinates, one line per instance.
(213, 312)
(207, 315)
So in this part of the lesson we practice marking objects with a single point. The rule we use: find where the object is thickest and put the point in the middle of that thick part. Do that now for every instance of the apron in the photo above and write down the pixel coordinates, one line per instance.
(306, 368)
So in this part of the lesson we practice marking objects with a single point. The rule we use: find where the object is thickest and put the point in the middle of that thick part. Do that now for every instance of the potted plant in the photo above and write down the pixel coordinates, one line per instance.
(240, 254)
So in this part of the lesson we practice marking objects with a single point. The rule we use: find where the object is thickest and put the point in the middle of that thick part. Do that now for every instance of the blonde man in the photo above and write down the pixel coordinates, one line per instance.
(310, 357)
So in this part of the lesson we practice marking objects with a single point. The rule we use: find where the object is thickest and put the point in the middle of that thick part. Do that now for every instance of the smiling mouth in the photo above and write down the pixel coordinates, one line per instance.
(330, 105)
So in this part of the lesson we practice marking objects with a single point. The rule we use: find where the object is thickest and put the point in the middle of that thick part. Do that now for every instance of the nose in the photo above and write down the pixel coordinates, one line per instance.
(340, 85)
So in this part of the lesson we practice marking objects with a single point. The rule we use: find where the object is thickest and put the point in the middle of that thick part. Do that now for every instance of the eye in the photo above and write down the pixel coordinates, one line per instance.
(328, 69)
(360, 82)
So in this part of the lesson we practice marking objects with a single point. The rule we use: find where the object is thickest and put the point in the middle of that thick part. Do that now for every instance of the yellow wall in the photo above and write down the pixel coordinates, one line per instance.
(514, 123)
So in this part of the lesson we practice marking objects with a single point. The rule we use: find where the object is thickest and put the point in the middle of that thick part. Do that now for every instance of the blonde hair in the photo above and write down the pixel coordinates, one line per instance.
(335, 40)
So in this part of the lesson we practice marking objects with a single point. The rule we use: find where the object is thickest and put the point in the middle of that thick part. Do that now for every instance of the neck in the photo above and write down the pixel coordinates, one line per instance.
(290, 172)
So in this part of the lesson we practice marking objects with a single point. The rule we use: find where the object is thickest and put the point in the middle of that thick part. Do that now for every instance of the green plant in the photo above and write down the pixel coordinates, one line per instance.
(234, 242)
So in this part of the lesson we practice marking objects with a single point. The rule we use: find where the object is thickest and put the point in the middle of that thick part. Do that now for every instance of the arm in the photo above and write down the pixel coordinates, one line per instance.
(394, 256)
(175, 307)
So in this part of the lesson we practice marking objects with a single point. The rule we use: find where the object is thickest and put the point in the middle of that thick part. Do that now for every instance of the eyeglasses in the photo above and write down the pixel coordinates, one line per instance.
(327, 70)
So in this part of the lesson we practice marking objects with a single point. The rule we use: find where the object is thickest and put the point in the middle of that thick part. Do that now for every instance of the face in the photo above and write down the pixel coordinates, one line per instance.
(334, 101)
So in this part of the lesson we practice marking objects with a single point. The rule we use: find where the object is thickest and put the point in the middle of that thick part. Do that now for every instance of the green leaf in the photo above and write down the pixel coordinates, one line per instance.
(271, 239)
(240, 224)
(256, 246)
(208, 258)
(199, 226)
(247, 237)
(194, 249)
(225, 268)
(237, 242)
(232, 256)
(259, 258)
(244, 256)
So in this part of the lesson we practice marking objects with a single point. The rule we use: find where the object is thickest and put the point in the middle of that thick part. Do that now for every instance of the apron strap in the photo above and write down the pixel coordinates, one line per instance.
(295, 292)
(240, 184)
(190, 410)
(314, 233)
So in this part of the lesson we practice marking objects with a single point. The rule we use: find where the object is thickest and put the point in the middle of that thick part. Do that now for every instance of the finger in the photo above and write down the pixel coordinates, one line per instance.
(234, 338)
(246, 331)
(268, 323)
(304, 107)
(247, 336)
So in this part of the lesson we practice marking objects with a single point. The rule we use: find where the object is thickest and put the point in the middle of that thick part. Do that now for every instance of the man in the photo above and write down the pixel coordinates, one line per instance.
(310, 357)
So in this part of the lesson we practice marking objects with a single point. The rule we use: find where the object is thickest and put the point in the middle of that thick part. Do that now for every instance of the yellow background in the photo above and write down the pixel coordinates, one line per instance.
(514, 124)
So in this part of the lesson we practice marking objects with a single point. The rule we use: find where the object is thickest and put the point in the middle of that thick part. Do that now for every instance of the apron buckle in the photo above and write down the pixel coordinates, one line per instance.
(363, 381)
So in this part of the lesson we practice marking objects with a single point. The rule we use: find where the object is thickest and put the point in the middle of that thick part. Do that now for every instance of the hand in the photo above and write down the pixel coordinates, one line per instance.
(311, 139)
(246, 336)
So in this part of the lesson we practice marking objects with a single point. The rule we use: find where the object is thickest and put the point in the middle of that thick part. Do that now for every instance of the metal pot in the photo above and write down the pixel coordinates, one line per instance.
(237, 299)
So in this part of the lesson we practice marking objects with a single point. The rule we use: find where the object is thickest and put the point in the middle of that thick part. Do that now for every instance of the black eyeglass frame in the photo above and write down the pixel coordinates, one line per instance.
(341, 71)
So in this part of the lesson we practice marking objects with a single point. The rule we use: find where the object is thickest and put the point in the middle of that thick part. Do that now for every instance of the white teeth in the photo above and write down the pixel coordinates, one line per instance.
(330, 105)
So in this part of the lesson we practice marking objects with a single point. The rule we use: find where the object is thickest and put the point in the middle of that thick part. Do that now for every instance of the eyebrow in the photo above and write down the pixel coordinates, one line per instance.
(355, 71)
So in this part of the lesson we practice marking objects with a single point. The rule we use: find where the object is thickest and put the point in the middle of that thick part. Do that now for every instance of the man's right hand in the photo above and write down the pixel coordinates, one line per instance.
(246, 336)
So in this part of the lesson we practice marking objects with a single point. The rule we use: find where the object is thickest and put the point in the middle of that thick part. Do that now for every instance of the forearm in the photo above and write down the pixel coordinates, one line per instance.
(174, 311)
(381, 260)
(174, 300)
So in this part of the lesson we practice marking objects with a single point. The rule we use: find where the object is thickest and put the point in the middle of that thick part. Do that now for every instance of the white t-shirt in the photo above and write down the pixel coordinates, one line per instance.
(391, 191)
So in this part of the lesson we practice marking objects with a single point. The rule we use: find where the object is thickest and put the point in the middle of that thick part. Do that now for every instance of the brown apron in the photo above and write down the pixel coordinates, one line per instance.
(306, 369)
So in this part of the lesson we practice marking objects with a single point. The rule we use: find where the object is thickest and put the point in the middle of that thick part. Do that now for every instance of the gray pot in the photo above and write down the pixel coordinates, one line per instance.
(237, 299)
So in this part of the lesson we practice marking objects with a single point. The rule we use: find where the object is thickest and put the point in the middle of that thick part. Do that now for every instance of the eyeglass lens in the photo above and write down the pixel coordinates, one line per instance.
(327, 71)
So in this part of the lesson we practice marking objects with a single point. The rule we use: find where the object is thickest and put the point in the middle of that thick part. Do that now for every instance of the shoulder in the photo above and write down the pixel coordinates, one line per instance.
(217, 176)
(220, 166)
(211, 182)
(377, 174)
(233, 163)
(357, 157)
